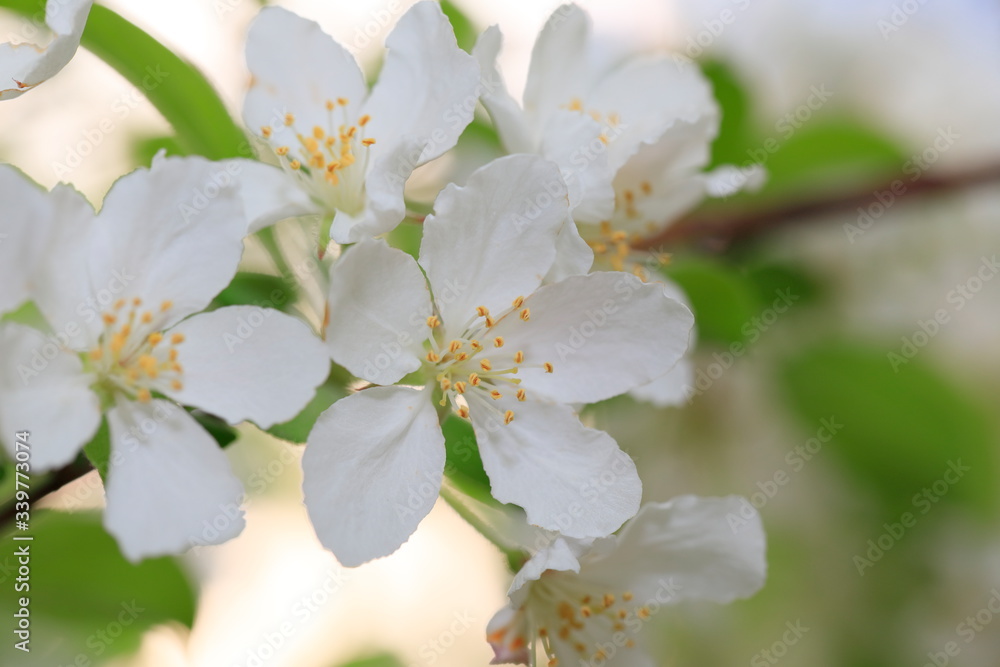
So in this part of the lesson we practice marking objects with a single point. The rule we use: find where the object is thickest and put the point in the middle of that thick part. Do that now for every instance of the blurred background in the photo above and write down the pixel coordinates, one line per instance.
(848, 361)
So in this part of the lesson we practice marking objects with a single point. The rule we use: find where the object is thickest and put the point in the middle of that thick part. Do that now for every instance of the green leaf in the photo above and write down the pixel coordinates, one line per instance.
(379, 660)
(85, 598)
(463, 464)
(734, 129)
(465, 29)
(297, 429)
(901, 432)
(721, 299)
(770, 278)
(258, 289)
(98, 450)
(143, 150)
(221, 432)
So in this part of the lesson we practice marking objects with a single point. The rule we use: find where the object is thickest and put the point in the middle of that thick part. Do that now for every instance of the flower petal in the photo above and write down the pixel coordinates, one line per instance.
(379, 307)
(673, 389)
(372, 470)
(27, 65)
(506, 634)
(296, 68)
(24, 231)
(428, 87)
(558, 71)
(566, 476)
(493, 239)
(574, 257)
(562, 554)
(649, 96)
(604, 334)
(169, 486)
(574, 142)
(689, 548)
(269, 194)
(515, 132)
(44, 390)
(244, 362)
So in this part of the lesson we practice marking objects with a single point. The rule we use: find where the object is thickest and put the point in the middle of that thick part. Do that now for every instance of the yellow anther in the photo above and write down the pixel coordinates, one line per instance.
(177, 367)
(526, 314)
(330, 105)
(318, 132)
(613, 119)
(585, 611)
(459, 387)
(542, 632)
(609, 600)
(109, 318)
(454, 346)
(143, 395)
(482, 311)
(281, 150)
(463, 412)
(474, 379)
(627, 596)
(155, 338)
(486, 365)
(96, 354)
(580, 648)
(368, 142)
(622, 614)
(177, 338)
(147, 362)
(119, 304)
(266, 131)
(289, 119)
(147, 317)
(630, 643)
(176, 385)
(498, 341)
(517, 302)
(576, 104)
(433, 321)
(490, 322)
(604, 138)
(475, 344)
(173, 354)
(342, 101)
(554, 662)
(496, 395)
(310, 144)
(619, 237)
(445, 384)
(126, 330)
(461, 356)
(548, 367)
(136, 302)
(629, 196)
(364, 120)
(521, 395)
(433, 357)
(508, 417)
(564, 632)
(166, 305)
(518, 357)
(642, 612)
(646, 187)
(295, 164)
(600, 656)
(596, 115)
(599, 248)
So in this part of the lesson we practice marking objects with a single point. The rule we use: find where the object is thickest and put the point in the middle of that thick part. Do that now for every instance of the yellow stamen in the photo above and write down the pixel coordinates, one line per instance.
(483, 311)
(289, 119)
(177, 338)
(96, 354)
(521, 395)
(368, 142)
(517, 302)
(433, 321)
(433, 357)
(109, 318)
(474, 379)
(364, 120)
(463, 412)
(143, 396)
(459, 387)
(155, 338)
(518, 357)
(266, 131)
(496, 395)
(498, 341)
(526, 314)
(486, 365)
(548, 367)
(508, 417)
(454, 346)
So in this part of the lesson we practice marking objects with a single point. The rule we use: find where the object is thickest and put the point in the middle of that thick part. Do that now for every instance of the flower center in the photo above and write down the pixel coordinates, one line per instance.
(570, 616)
(612, 245)
(132, 356)
(610, 120)
(477, 367)
(330, 162)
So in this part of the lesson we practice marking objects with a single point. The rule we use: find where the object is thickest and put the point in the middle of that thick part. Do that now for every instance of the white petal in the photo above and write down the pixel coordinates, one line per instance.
(572, 140)
(245, 362)
(604, 333)
(269, 194)
(517, 135)
(649, 96)
(44, 390)
(573, 256)
(24, 66)
(506, 626)
(379, 307)
(494, 239)
(558, 71)
(296, 68)
(173, 232)
(372, 470)
(690, 548)
(24, 232)
(562, 555)
(169, 485)
(428, 88)
(385, 206)
(673, 389)
(566, 477)
(728, 180)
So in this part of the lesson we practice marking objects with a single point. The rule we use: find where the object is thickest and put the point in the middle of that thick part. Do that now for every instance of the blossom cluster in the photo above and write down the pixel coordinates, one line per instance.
(527, 300)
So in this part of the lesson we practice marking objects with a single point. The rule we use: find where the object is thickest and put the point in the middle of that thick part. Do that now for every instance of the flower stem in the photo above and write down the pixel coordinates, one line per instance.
(515, 557)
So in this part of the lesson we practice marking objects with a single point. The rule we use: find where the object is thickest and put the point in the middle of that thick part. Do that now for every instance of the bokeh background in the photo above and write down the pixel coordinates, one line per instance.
(837, 101)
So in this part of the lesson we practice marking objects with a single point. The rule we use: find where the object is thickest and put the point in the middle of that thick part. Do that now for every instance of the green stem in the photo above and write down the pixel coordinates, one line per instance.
(515, 557)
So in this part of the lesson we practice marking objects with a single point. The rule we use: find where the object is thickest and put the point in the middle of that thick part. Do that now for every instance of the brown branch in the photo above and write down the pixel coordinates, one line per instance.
(721, 231)
(52, 482)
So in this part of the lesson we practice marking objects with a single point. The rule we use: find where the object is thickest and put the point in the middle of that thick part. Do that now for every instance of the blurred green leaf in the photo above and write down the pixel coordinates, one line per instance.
(221, 432)
(771, 278)
(379, 660)
(406, 237)
(734, 129)
(463, 464)
(257, 289)
(297, 429)
(98, 450)
(721, 299)
(465, 29)
(86, 599)
(143, 150)
(901, 431)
